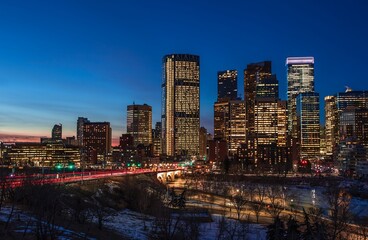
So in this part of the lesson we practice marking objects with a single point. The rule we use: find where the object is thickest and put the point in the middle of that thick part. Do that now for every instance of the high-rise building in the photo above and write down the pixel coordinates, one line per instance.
(221, 120)
(139, 123)
(334, 109)
(331, 125)
(236, 126)
(180, 105)
(80, 123)
(353, 125)
(156, 139)
(265, 114)
(57, 132)
(309, 121)
(227, 85)
(282, 117)
(300, 78)
(97, 140)
(253, 74)
(202, 143)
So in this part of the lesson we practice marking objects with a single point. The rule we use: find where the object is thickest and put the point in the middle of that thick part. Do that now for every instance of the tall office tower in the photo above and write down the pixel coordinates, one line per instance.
(334, 107)
(351, 98)
(236, 126)
(180, 105)
(308, 116)
(156, 139)
(221, 120)
(353, 125)
(261, 105)
(300, 78)
(97, 140)
(282, 117)
(139, 123)
(227, 90)
(57, 132)
(227, 85)
(331, 125)
(80, 123)
(202, 143)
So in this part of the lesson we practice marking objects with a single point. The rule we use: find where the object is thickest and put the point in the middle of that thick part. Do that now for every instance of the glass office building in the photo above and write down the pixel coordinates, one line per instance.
(180, 105)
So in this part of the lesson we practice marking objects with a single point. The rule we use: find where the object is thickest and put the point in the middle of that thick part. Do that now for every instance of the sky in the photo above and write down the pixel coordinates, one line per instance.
(60, 60)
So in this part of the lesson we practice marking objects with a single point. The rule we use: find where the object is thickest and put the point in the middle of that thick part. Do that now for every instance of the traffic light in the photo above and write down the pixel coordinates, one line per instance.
(58, 166)
(71, 166)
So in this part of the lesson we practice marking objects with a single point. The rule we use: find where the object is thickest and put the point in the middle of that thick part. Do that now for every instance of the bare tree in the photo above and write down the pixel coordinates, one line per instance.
(339, 201)
(274, 196)
(258, 205)
(238, 201)
(232, 230)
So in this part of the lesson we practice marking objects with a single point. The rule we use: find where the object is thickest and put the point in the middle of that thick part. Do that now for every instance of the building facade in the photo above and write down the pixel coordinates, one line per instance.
(308, 116)
(139, 123)
(57, 132)
(97, 141)
(227, 85)
(300, 79)
(80, 125)
(180, 105)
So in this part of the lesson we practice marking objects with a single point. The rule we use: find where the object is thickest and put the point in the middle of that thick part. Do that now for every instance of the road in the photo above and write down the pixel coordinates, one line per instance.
(69, 177)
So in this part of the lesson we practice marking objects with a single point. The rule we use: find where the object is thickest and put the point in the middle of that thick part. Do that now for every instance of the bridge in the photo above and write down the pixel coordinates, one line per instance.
(168, 176)
(163, 175)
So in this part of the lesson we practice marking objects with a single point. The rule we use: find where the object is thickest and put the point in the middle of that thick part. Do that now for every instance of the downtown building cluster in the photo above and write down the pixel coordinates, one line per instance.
(257, 133)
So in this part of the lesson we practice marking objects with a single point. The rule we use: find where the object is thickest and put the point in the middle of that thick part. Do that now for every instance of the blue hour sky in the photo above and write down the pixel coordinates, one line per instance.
(63, 59)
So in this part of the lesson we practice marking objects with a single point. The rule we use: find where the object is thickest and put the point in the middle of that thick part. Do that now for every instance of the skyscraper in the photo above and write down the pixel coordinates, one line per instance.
(259, 89)
(227, 85)
(300, 78)
(335, 106)
(80, 123)
(221, 120)
(331, 124)
(308, 117)
(180, 105)
(139, 123)
(97, 140)
(156, 139)
(236, 126)
(57, 132)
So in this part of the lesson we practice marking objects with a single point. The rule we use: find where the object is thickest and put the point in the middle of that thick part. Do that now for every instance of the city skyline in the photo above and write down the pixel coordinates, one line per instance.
(70, 60)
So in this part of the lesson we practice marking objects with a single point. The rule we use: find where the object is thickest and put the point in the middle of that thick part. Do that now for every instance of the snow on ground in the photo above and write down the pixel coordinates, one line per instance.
(27, 223)
(130, 224)
(359, 207)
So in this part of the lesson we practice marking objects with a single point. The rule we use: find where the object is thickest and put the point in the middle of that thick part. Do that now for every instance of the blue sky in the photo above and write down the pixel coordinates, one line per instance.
(63, 59)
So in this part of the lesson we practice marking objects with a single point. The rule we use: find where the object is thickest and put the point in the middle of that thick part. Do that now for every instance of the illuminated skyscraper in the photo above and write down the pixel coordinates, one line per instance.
(236, 126)
(331, 124)
(308, 116)
(221, 120)
(282, 136)
(80, 123)
(227, 85)
(203, 143)
(139, 123)
(156, 139)
(180, 105)
(300, 78)
(97, 140)
(57, 132)
(261, 96)
(335, 106)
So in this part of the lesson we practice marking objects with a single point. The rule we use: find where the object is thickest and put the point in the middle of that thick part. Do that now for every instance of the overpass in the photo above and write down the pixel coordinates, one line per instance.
(168, 176)
(163, 175)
